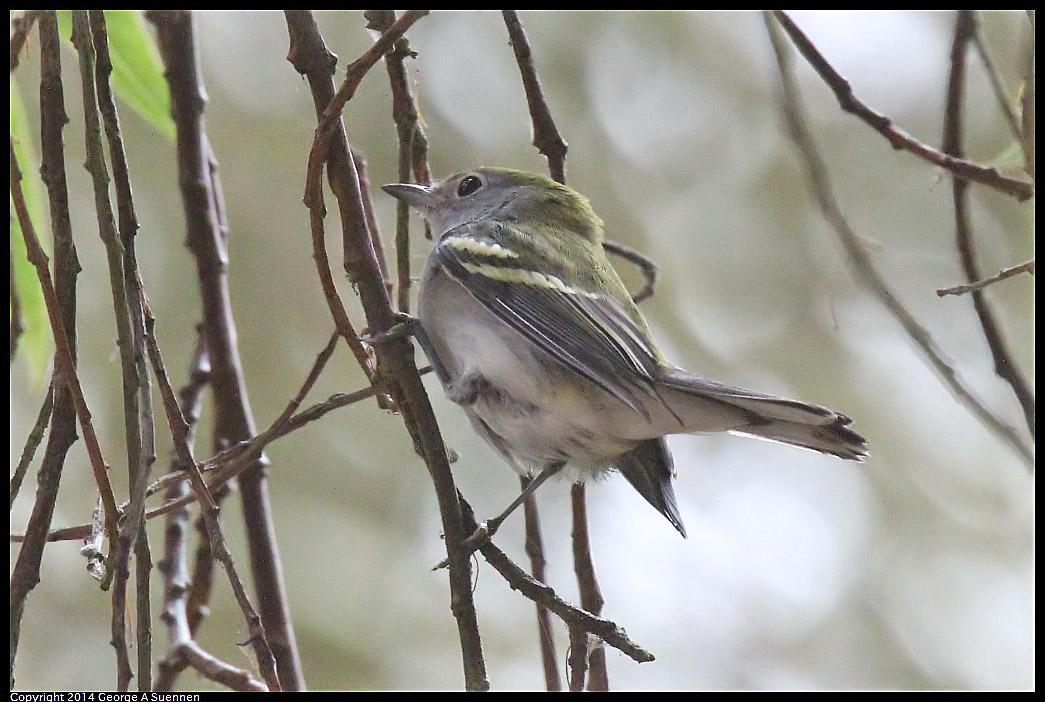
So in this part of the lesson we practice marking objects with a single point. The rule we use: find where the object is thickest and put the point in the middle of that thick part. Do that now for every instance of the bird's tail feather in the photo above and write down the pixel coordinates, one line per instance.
(648, 468)
(760, 415)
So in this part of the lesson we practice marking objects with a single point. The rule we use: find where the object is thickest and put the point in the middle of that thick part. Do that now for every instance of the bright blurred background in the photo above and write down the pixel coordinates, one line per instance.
(912, 570)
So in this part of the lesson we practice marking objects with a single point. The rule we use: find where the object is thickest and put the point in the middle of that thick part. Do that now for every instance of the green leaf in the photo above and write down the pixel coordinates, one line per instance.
(137, 71)
(34, 345)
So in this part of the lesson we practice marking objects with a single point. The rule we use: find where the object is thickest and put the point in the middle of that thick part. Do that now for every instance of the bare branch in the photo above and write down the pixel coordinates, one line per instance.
(898, 138)
(1025, 267)
(546, 135)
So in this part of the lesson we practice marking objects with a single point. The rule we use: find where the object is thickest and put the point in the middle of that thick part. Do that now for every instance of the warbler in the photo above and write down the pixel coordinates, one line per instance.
(532, 332)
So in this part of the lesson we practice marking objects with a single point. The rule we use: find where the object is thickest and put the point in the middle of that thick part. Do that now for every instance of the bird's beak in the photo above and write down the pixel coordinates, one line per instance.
(419, 196)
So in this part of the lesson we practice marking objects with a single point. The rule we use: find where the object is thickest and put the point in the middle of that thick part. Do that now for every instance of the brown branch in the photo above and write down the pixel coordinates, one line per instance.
(142, 453)
(17, 323)
(1025, 267)
(1004, 364)
(366, 193)
(20, 29)
(535, 552)
(549, 142)
(897, 138)
(208, 508)
(862, 266)
(142, 449)
(32, 442)
(61, 311)
(95, 165)
(542, 594)
(546, 135)
(588, 585)
(1000, 94)
(206, 240)
(404, 114)
(577, 658)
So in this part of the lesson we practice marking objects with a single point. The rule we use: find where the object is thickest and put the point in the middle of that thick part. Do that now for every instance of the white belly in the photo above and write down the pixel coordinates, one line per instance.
(537, 419)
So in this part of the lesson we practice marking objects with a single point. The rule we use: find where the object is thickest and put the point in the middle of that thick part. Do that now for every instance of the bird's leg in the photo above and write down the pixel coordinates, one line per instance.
(407, 326)
(488, 528)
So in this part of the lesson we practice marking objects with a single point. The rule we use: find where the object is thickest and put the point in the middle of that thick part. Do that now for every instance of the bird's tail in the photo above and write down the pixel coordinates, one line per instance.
(702, 405)
(649, 469)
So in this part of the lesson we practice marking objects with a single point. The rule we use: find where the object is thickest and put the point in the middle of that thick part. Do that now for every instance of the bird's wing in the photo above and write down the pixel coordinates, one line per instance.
(589, 333)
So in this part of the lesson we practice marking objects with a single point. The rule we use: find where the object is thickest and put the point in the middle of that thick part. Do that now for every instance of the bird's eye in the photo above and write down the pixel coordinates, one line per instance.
(468, 185)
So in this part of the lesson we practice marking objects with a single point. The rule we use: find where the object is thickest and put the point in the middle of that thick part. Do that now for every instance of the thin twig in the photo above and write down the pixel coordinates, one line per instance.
(1004, 364)
(20, 29)
(36, 435)
(366, 193)
(897, 138)
(184, 652)
(546, 135)
(862, 266)
(141, 450)
(588, 586)
(1000, 93)
(17, 323)
(95, 165)
(404, 114)
(1025, 267)
(535, 552)
(541, 593)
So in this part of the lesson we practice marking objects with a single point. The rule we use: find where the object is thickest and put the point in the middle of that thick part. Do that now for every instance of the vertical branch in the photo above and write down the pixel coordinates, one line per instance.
(365, 191)
(311, 58)
(17, 324)
(173, 566)
(395, 358)
(140, 429)
(408, 130)
(535, 552)
(546, 135)
(32, 442)
(114, 250)
(234, 420)
(184, 651)
(591, 595)
(1004, 364)
(61, 311)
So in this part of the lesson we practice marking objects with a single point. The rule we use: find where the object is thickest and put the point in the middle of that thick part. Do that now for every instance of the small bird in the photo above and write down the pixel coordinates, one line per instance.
(533, 334)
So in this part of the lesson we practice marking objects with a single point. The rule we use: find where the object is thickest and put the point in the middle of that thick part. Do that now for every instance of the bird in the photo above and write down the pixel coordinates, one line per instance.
(533, 334)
